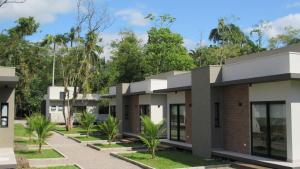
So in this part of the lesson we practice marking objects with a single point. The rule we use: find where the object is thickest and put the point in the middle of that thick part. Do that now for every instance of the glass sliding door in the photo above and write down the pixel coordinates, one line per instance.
(177, 122)
(259, 129)
(278, 131)
(144, 111)
(269, 129)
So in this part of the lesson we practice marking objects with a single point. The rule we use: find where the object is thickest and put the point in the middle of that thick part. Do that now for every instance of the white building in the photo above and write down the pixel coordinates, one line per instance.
(56, 104)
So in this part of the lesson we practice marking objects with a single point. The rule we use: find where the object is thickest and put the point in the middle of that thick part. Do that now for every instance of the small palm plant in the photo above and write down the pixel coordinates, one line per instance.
(151, 133)
(111, 128)
(87, 121)
(43, 128)
(31, 120)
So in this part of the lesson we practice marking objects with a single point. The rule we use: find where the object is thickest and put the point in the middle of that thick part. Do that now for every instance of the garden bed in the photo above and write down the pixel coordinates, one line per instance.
(59, 167)
(76, 131)
(90, 139)
(117, 146)
(171, 159)
(33, 154)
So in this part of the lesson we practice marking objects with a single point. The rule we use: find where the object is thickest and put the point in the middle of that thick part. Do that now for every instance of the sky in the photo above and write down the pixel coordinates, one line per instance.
(194, 18)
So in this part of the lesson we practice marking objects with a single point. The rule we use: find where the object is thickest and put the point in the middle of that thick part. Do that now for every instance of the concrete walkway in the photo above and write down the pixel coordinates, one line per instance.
(80, 154)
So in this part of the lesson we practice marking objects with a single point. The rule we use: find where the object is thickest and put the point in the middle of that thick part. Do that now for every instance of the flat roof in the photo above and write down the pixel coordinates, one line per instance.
(289, 48)
(271, 78)
(175, 89)
(9, 80)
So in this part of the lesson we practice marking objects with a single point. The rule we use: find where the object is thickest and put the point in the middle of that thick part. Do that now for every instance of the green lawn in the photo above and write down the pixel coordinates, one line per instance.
(90, 138)
(26, 142)
(75, 130)
(119, 145)
(60, 167)
(49, 153)
(20, 130)
(170, 159)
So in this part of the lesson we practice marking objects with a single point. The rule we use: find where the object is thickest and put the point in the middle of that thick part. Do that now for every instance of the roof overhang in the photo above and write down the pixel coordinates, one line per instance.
(175, 89)
(264, 79)
(136, 93)
(9, 81)
(108, 96)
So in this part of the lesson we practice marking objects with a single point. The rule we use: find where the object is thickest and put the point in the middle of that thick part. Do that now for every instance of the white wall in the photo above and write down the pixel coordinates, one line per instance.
(157, 113)
(148, 85)
(112, 90)
(281, 63)
(180, 80)
(288, 91)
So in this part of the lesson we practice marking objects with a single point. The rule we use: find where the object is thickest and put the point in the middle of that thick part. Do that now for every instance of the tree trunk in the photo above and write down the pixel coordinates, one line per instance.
(40, 148)
(153, 152)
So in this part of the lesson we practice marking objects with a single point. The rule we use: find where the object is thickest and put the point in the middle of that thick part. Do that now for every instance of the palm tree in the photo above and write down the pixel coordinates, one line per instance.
(43, 128)
(87, 121)
(151, 133)
(31, 123)
(111, 128)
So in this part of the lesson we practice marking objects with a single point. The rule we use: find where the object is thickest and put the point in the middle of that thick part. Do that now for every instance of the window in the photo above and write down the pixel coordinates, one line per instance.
(112, 111)
(177, 122)
(53, 108)
(79, 109)
(4, 115)
(126, 114)
(103, 110)
(144, 111)
(217, 115)
(62, 95)
(60, 108)
(268, 126)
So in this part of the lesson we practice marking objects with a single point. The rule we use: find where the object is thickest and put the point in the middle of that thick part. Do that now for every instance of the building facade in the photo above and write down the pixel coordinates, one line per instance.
(8, 81)
(56, 104)
(247, 107)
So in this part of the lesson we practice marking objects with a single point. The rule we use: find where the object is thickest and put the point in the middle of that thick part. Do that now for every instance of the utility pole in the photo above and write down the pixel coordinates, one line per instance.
(53, 69)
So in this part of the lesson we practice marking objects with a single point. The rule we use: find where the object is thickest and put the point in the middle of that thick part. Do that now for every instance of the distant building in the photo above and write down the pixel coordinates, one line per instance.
(56, 102)
(8, 81)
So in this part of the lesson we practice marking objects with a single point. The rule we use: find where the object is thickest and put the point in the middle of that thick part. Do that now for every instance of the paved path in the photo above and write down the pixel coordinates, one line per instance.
(80, 154)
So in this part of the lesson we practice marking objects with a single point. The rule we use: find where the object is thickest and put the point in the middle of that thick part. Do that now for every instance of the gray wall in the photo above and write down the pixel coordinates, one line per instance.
(7, 95)
(120, 103)
(202, 109)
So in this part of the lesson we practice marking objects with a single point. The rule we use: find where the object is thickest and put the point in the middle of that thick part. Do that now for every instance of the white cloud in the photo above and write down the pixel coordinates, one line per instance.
(132, 16)
(44, 11)
(278, 25)
(108, 38)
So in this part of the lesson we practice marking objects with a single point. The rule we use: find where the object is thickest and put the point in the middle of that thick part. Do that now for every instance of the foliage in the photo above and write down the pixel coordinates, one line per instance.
(87, 121)
(20, 130)
(171, 159)
(128, 59)
(289, 37)
(164, 52)
(151, 133)
(43, 128)
(111, 128)
(31, 124)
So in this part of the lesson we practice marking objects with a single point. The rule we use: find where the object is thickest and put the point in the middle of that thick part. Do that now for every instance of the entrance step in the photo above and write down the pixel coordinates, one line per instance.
(240, 165)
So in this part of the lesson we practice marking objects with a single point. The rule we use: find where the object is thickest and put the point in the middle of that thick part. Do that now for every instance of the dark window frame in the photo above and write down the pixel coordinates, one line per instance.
(267, 103)
(112, 113)
(4, 117)
(126, 112)
(217, 115)
(178, 121)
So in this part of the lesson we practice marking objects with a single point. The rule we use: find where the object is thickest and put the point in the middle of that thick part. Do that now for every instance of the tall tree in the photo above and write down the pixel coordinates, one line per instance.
(128, 58)
(164, 50)
(288, 37)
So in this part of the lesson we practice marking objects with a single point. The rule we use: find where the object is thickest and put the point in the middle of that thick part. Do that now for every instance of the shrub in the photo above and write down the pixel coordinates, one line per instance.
(111, 128)
(151, 133)
(87, 121)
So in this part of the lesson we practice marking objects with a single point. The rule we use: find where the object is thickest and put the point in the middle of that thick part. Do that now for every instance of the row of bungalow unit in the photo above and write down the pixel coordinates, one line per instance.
(249, 107)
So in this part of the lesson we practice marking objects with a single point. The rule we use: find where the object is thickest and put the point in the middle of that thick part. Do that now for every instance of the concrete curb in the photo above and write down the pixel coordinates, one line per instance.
(91, 142)
(144, 166)
(116, 148)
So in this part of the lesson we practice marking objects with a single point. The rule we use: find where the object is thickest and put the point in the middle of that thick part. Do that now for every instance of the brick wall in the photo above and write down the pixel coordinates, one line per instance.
(236, 121)
(134, 117)
(188, 109)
